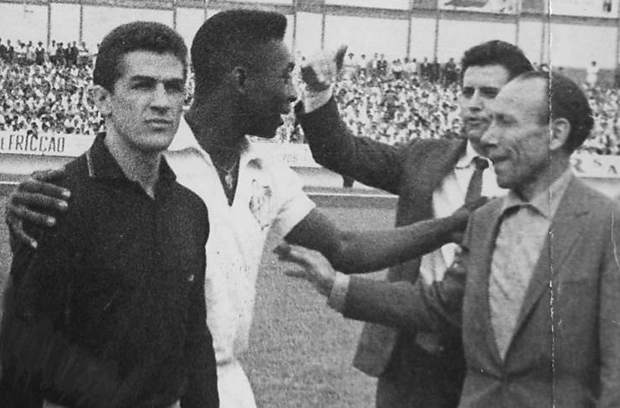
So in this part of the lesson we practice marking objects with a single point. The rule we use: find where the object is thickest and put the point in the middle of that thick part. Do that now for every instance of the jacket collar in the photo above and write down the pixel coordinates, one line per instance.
(103, 166)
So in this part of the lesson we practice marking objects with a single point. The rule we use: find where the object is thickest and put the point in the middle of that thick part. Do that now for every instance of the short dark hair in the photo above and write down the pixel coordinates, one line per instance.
(135, 36)
(566, 100)
(497, 52)
(229, 39)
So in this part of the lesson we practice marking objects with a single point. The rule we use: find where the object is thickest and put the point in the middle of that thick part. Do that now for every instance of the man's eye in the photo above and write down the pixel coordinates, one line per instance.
(468, 92)
(502, 120)
(175, 87)
(489, 92)
(142, 85)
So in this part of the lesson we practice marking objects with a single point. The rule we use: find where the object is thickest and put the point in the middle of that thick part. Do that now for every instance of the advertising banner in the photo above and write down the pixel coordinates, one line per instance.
(380, 4)
(44, 144)
(486, 6)
(584, 8)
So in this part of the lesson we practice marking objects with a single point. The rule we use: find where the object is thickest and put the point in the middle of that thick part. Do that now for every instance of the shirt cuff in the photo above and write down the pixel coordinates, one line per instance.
(315, 100)
(338, 294)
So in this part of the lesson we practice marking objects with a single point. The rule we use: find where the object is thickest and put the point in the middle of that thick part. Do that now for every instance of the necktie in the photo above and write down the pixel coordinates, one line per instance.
(474, 189)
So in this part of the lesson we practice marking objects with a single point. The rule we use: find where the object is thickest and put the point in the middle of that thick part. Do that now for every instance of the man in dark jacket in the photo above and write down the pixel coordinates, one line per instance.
(109, 309)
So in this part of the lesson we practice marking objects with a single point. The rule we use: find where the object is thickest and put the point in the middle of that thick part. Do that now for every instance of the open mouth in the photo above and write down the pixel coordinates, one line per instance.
(159, 123)
(476, 122)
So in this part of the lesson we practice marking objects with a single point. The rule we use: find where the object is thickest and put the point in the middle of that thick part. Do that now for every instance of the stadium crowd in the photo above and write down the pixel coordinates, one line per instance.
(393, 102)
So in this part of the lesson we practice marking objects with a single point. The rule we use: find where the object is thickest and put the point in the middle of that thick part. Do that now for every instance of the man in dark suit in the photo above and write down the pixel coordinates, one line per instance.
(539, 276)
(431, 178)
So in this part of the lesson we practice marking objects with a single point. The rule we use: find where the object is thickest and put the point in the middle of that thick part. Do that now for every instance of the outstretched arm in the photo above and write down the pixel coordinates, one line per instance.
(35, 200)
(404, 305)
(367, 251)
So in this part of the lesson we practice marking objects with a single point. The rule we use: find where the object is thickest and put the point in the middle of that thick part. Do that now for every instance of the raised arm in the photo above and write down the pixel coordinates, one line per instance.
(332, 143)
(335, 147)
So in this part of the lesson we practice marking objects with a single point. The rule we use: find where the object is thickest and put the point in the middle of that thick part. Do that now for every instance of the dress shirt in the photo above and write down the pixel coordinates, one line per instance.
(447, 198)
(521, 235)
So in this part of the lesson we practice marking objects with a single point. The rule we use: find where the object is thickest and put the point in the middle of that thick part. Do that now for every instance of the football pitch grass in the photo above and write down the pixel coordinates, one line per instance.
(300, 350)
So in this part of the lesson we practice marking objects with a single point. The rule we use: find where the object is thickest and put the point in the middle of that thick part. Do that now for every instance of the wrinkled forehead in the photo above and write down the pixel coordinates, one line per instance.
(521, 97)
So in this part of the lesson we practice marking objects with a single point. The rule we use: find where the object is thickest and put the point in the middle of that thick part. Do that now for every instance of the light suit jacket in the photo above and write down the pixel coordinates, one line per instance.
(565, 351)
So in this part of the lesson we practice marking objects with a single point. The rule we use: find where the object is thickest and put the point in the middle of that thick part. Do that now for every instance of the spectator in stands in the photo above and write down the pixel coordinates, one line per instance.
(450, 73)
(52, 50)
(382, 66)
(431, 177)
(435, 71)
(350, 67)
(424, 69)
(3, 51)
(30, 54)
(39, 54)
(73, 53)
(83, 55)
(592, 74)
(60, 54)
(364, 65)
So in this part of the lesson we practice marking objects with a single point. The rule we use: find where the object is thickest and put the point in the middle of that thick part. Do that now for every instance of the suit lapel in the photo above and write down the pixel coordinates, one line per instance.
(480, 270)
(440, 163)
(563, 235)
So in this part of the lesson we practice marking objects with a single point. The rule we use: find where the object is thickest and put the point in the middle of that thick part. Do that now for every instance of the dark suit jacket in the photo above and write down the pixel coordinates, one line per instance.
(566, 348)
(412, 171)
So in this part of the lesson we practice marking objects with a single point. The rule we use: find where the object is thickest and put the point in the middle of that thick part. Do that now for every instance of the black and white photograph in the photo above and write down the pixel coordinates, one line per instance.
(309, 203)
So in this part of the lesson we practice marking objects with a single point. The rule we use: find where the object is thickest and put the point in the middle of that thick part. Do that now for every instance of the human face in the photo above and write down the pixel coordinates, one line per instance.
(481, 84)
(518, 140)
(143, 111)
(270, 90)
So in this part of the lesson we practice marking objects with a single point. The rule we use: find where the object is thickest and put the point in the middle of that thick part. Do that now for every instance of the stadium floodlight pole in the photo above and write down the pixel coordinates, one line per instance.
(545, 49)
(517, 10)
(437, 18)
(174, 14)
(81, 33)
(617, 60)
(49, 23)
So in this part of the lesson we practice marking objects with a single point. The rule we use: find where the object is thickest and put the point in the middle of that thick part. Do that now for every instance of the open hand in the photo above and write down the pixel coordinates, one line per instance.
(463, 214)
(316, 268)
(35, 194)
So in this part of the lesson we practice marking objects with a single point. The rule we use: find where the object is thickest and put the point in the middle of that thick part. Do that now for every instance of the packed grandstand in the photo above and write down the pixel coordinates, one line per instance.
(48, 90)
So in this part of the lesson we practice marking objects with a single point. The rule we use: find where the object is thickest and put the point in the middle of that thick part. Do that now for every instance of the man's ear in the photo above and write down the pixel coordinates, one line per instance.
(239, 78)
(102, 100)
(559, 131)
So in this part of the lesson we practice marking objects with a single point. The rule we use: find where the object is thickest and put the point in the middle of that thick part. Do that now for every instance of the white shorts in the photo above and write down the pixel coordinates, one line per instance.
(234, 387)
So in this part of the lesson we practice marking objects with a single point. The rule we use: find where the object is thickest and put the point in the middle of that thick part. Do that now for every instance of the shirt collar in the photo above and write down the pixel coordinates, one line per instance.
(102, 165)
(185, 139)
(467, 159)
(546, 202)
